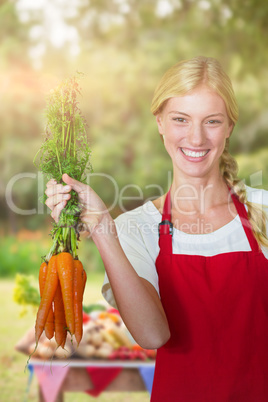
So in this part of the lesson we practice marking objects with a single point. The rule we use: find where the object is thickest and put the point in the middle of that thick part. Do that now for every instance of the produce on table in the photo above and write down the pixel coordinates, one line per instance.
(105, 337)
(62, 277)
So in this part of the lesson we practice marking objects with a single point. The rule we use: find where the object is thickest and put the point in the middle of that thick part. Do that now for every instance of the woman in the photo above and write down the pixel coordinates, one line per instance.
(200, 296)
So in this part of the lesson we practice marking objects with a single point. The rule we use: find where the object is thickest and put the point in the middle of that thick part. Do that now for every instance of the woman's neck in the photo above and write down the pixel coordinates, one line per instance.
(198, 194)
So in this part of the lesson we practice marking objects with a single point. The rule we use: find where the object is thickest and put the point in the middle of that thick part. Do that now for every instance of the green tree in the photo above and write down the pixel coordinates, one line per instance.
(123, 47)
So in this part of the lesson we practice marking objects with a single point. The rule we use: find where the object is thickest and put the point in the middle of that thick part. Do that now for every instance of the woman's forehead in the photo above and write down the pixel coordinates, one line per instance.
(202, 98)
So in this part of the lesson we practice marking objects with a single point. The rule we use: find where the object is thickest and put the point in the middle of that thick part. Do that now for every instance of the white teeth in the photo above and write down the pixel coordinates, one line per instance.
(194, 154)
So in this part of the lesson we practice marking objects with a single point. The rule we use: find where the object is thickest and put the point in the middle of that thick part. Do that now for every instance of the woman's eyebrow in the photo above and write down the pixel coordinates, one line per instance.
(185, 114)
(177, 112)
(216, 114)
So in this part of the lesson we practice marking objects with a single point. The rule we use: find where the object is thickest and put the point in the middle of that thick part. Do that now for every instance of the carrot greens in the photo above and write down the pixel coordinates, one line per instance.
(65, 150)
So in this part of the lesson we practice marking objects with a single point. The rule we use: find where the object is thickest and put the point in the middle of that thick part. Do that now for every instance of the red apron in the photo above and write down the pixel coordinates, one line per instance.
(217, 310)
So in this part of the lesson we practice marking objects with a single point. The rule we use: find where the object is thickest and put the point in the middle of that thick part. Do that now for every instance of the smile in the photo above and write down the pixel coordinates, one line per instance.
(194, 154)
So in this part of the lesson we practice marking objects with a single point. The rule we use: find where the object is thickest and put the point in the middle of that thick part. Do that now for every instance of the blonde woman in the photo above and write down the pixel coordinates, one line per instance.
(189, 271)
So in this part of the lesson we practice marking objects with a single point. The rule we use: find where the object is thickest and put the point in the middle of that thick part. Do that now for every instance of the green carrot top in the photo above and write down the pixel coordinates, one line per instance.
(65, 150)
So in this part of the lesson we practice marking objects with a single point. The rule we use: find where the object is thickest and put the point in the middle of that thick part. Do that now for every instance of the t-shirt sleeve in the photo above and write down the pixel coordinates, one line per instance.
(134, 244)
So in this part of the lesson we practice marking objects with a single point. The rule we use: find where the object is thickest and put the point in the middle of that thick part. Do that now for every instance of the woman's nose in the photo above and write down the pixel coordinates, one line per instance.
(196, 135)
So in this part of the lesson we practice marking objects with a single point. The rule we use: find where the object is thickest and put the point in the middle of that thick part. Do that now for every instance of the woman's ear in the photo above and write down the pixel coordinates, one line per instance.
(230, 130)
(160, 123)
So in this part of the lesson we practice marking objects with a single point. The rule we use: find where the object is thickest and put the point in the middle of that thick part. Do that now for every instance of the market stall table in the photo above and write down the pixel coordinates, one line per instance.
(91, 376)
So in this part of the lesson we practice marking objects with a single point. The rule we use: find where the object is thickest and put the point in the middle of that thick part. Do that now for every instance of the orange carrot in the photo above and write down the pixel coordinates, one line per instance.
(60, 322)
(79, 286)
(65, 267)
(84, 280)
(49, 326)
(47, 297)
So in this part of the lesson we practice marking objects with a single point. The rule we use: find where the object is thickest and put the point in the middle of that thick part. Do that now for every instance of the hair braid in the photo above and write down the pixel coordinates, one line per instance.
(256, 214)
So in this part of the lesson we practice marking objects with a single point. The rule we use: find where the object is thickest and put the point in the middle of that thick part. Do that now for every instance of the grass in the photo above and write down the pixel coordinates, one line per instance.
(13, 376)
(22, 252)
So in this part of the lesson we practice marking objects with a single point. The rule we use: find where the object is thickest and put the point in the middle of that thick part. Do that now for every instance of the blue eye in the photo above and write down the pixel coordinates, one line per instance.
(179, 119)
(214, 122)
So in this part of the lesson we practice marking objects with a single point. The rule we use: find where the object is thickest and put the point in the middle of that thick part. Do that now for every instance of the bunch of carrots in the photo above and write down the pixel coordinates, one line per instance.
(62, 277)
(62, 283)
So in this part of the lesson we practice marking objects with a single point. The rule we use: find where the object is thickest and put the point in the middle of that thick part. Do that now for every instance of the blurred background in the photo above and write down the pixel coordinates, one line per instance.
(123, 47)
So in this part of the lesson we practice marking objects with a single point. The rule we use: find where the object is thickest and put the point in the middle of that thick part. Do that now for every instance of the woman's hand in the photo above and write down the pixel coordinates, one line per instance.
(94, 212)
(138, 302)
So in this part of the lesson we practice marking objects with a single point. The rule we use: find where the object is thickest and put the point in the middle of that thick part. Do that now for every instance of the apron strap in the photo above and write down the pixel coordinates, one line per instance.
(166, 215)
(165, 227)
(242, 212)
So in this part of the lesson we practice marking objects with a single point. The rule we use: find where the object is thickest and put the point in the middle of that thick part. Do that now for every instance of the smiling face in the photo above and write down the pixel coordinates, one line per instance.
(195, 127)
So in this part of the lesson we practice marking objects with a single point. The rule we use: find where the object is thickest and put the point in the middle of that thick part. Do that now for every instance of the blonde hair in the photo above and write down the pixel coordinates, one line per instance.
(184, 77)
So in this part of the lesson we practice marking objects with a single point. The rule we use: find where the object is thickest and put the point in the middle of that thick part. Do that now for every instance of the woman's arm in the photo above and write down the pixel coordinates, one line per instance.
(136, 298)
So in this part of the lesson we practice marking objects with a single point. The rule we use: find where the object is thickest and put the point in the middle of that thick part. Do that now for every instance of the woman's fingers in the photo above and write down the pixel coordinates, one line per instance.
(93, 207)
(57, 210)
(58, 195)
(51, 182)
(53, 189)
(87, 196)
(54, 200)
(76, 185)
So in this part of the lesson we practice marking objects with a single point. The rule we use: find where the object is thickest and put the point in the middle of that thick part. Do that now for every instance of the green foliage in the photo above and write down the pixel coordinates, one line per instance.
(65, 150)
(25, 292)
(89, 254)
(11, 29)
(125, 47)
(93, 307)
(23, 256)
(65, 127)
(20, 256)
(253, 168)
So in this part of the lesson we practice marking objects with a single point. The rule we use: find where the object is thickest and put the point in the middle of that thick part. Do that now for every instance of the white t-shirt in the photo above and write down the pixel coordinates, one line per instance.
(138, 235)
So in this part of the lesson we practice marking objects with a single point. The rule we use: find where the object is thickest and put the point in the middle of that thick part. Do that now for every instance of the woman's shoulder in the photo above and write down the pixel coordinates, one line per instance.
(257, 196)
